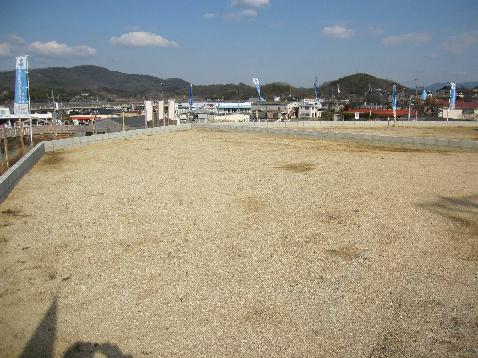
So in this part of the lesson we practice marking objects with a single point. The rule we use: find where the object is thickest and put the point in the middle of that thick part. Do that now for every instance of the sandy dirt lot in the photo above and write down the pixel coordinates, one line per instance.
(210, 244)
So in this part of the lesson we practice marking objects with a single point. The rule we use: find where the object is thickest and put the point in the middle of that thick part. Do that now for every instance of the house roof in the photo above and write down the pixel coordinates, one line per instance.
(380, 112)
(461, 104)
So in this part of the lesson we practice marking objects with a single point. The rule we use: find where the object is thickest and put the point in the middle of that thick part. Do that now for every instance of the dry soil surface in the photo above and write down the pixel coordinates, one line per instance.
(209, 244)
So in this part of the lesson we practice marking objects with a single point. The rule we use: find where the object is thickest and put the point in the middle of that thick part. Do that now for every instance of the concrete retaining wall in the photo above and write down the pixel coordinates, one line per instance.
(421, 142)
(11, 177)
(309, 123)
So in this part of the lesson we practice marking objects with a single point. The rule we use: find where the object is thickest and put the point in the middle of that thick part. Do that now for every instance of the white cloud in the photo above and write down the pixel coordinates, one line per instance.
(250, 4)
(247, 9)
(5, 49)
(337, 31)
(414, 38)
(459, 43)
(56, 49)
(142, 39)
(240, 15)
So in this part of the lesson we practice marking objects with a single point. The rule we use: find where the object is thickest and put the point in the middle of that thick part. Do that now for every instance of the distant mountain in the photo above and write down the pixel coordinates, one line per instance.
(436, 86)
(96, 80)
(358, 85)
(72, 83)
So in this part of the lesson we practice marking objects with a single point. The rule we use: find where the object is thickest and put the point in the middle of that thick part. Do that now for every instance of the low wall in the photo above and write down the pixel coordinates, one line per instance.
(356, 137)
(11, 177)
(311, 123)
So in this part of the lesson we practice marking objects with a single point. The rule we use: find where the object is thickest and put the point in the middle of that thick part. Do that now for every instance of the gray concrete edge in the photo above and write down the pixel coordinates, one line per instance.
(13, 175)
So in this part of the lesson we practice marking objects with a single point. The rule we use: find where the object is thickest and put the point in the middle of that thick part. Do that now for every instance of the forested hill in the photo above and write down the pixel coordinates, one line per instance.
(68, 83)
(358, 85)
(73, 81)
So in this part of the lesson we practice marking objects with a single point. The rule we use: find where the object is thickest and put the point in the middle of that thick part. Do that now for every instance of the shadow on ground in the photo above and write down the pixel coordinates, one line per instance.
(42, 342)
(462, 213)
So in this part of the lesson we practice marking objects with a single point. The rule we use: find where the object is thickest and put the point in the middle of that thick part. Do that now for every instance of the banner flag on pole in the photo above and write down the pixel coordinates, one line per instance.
(21, 106)
(338, 88)
(317, 94)
(424, 95)
(190, 97)
(394, 100)
(258, 89)
(452, 95)
(316, 89)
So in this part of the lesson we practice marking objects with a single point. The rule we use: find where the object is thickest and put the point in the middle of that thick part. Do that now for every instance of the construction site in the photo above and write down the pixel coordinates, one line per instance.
(210, 241)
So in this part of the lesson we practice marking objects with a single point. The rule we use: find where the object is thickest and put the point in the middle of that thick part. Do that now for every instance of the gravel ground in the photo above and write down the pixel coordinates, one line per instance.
(211, 244)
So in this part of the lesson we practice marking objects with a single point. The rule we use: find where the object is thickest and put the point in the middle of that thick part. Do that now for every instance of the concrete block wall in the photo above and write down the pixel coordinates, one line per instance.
(13, 175)
(309, 123)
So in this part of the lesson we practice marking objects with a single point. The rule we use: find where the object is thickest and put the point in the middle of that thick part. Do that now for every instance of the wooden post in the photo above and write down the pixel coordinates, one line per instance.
(122, 115)
(31, 131)
(5, 146)
(20, 132)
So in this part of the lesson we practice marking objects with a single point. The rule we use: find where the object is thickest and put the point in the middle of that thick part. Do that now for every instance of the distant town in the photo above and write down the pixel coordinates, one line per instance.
(112, 94)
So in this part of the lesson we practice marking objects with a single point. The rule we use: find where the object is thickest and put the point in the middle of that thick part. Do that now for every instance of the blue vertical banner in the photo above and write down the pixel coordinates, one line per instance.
(316, 89)
(21, 106)
(394, 101)
(394, 98)
(190, 97)
(424, 95)
(452, 95)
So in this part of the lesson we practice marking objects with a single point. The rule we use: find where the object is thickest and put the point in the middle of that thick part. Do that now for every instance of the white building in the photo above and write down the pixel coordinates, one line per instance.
(462, 111)
(310, 108)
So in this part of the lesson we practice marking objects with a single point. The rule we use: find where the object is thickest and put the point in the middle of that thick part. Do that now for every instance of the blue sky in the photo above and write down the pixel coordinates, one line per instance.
(230, 41)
